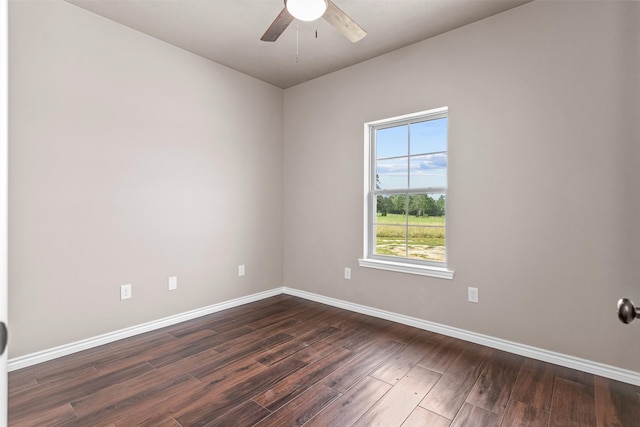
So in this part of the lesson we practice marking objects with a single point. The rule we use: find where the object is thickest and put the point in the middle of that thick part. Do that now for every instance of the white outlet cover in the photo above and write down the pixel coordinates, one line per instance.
(241, 270)
(473, 295)
(173, 283)
(125, 291)
(347, 273)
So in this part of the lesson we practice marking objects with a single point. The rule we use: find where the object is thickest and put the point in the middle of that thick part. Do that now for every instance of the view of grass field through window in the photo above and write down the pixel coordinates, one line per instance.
(410, 190)
(417, 235)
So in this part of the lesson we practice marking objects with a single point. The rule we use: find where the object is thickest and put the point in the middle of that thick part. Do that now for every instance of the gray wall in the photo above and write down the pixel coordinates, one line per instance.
(543, 204)
(131, 161)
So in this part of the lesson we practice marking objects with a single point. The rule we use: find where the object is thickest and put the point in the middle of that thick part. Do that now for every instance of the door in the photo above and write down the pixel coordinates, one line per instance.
(4, 202)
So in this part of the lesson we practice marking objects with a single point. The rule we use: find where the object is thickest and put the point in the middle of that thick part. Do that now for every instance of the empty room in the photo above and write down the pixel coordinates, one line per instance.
(320, 213)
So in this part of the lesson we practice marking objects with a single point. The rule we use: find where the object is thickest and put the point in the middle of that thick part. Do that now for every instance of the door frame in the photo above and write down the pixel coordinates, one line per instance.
(4, 196)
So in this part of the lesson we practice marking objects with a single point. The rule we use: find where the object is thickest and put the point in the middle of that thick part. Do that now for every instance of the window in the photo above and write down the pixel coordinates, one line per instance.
(406, 193)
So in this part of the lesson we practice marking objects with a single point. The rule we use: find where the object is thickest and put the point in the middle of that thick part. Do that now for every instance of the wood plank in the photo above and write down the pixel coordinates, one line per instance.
(449, 394)
(346, 320)
(143, 354)
(52, 395)
(575, 376)
(346, 338)
(186, 328)
(287, 300)
(318, 350)
(364, 337)
(248, 350)
(534, 385)
(398, 366)
(20, 381)
(67, 366)
(291, 327)
(144, 385)
(361, 365)
(205, 322)
(235, 320)
(211, 402)
(190, 363)
(151, 411)
(167, 422)
(401, 400)
(616, 403)
(23, 397)
(130, 397)
(52, 416)
(346, 410)
(522, 414)
(232, 373)
(185, 348)
(441, 354)
(83, 369)
(420, 417)
(473, 416)
(401, 333)
(275, 318)
(573, 405)
(316, 314)
(248, 413)
(297, 383)
(301, 409)
(493, 388)
(281, 351)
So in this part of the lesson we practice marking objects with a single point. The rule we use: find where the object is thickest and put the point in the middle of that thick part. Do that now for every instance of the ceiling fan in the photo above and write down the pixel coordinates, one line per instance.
(310, 10)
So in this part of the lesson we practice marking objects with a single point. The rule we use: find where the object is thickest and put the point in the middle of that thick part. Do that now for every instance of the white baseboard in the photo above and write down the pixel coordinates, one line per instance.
(74, 347)
(579, 364)
(584, 365)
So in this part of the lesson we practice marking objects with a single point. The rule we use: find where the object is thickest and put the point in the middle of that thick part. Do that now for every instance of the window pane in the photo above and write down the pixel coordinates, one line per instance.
(392, 173)
(426, 227)
(427, 209)
(391, 240)
(429, 136)
(426, 243)
(390, 209)
(392, 142)
(429, 170)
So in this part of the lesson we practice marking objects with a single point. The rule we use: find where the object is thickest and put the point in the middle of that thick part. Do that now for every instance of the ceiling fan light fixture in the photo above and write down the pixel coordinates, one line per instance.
(306, 10)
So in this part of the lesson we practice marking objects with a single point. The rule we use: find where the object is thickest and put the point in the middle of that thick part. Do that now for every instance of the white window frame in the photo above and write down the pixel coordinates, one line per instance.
(392, 263)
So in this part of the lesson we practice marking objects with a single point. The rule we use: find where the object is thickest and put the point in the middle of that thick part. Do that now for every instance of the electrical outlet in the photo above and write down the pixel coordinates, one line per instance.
(473, 295)
(173, 283)
(347, 273)
(241, 270)
(125, 291)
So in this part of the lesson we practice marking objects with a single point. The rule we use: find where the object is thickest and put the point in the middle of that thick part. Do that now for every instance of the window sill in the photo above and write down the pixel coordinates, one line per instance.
(423, 270)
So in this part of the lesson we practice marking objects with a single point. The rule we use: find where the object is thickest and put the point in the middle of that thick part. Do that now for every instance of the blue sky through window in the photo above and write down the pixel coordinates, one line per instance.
(426, 147)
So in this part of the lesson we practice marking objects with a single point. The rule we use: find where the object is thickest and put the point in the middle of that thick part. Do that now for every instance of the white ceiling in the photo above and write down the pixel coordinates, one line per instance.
(228, 31)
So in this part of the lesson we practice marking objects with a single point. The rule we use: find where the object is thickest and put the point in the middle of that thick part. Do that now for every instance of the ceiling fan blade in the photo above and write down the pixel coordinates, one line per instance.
(341, 22)
(278, 26)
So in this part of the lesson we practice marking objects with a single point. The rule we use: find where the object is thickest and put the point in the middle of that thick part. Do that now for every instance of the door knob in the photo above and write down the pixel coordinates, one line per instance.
(3, 337)
(627, 310)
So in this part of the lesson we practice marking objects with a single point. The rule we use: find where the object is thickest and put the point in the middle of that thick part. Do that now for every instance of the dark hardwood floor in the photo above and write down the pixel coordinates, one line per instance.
(287, 361)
